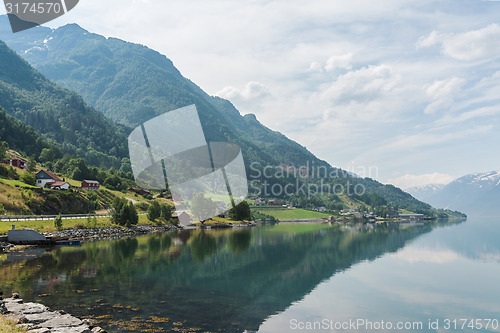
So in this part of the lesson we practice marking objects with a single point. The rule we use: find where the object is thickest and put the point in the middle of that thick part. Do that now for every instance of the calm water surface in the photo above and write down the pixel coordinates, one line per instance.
(281, 278)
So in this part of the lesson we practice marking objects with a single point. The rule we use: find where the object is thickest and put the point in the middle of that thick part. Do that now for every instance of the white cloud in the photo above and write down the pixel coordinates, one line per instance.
(409, 180)
(414, 255)
(360, 94)
(253, 91)
(433, 39)
(316, 66)
(468, 46)
(470, 115)
(425, 139)
(442, 93)
(339, 61)
(473, 45)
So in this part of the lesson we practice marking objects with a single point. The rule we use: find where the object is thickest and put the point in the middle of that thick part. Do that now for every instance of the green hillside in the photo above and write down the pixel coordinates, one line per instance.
(131, 84)
(59, 115)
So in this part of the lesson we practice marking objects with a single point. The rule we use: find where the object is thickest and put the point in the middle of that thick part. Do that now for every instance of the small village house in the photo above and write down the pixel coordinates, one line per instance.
(140, 192)
(91, 185)
(46, 177)
(15, 162)
(183, 217)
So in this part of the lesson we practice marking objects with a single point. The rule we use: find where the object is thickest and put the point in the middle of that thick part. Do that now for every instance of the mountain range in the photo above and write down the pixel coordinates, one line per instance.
(59, 114)
(474, 194)
(111, 85)
(131, 84)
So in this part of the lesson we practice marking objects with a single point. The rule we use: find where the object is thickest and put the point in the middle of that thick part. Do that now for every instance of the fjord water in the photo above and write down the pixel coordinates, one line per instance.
(273, 278)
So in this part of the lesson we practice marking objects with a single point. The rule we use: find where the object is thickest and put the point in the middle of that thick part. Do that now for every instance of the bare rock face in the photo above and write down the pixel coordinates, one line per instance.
(37, 318)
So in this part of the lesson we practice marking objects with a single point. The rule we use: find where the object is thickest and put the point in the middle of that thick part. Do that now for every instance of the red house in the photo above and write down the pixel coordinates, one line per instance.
(15, 162)
(91, 185)
(140, 192)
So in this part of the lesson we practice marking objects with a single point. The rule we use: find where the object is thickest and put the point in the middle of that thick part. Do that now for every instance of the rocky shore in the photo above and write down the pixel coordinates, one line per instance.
(100, 233)
(95, 234)
(4, 246)
(38, 318)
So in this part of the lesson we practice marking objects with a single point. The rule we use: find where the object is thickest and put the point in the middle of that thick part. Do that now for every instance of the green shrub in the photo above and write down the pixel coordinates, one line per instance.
(142, 206)
(28, 178)
(58, 222)
(154, 211)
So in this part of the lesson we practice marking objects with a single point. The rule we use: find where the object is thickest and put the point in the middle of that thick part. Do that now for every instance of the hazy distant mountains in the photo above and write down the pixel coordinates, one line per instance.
(424, 192)
(474, 194)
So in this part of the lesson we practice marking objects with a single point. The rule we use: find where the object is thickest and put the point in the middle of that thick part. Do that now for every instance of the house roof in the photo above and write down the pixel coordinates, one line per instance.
(51, 175)
(177, 214)
(56, 184)
(91, 181)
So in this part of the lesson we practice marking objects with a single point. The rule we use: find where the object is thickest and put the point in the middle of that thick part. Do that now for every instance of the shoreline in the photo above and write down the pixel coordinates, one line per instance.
(36, 317)
(96, 234)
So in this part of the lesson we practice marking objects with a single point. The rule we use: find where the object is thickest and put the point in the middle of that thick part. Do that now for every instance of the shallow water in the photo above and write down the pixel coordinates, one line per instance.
(281, 278)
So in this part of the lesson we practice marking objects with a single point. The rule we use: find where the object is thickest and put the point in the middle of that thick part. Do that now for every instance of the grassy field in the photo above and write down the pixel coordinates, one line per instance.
(48, 225)
(290, 214)
(14, 183)
(8, 327)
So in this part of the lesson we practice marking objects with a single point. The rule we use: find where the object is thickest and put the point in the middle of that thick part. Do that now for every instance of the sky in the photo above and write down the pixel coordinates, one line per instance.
(405, 92)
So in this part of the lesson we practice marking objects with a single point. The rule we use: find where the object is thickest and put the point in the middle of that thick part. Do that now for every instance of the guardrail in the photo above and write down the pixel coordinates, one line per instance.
(10, 218)
(15, 218)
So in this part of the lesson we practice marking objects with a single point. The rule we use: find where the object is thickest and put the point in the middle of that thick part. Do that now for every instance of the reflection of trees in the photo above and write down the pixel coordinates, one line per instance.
(184, 235)
(239, 241)
(154, 245)
(124, 249)
(272, 269)
(202, 245)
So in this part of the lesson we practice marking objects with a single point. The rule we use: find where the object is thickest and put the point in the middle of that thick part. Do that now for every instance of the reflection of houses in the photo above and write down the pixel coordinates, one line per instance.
(88, 272)
(91, 185)
(48, 179)
(46, 284)
(181, 216)
(15, 162)
(412, 217)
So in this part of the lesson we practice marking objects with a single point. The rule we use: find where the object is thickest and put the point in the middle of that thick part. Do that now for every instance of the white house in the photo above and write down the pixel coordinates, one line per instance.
(45, 177)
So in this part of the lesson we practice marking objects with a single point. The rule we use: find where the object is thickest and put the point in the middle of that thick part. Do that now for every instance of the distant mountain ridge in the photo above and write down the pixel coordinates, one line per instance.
(131, 84)
(476, 194)
(423, 192)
